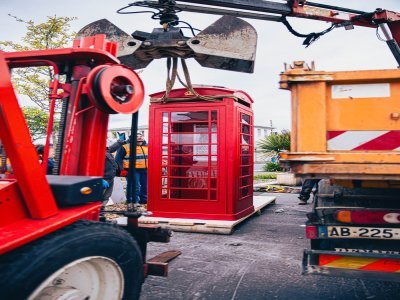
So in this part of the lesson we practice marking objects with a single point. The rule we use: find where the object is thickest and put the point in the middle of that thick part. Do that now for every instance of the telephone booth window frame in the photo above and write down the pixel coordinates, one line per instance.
(245, 155)
(198, 182)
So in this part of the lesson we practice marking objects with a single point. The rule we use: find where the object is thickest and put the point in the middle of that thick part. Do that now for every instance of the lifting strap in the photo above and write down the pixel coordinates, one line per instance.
(172, 74)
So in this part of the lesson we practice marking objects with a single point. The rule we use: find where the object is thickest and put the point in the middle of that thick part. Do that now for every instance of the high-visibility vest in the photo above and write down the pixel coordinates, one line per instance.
(7, 167)
(141, 157)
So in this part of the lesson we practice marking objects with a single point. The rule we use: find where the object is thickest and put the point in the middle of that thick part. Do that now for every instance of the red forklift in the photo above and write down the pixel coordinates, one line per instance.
(52, 244)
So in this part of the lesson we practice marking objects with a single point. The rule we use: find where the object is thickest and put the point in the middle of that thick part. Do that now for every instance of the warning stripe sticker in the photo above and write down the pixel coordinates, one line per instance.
(360, 263)
(378, 140)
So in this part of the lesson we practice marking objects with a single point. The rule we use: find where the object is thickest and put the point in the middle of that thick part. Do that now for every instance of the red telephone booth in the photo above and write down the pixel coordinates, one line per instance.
(201, 155)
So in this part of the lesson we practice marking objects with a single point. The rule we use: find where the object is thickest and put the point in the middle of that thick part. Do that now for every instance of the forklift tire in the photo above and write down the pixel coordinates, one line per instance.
(85, 260)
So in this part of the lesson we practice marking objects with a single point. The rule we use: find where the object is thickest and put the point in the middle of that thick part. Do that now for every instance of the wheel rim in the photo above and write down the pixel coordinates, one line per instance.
(94, 277)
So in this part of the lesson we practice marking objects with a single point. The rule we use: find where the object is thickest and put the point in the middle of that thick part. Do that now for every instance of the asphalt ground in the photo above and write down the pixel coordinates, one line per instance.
(260, 260)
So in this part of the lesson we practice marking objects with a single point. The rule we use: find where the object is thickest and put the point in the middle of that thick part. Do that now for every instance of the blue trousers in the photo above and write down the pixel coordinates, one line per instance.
(307, 187)
(141, 186)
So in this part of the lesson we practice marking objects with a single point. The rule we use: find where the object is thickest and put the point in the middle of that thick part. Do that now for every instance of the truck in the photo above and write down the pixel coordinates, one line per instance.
(344, 128)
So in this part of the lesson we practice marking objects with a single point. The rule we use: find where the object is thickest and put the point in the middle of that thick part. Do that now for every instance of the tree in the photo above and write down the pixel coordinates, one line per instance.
(36, 120)
(276, 142)
(34, 82)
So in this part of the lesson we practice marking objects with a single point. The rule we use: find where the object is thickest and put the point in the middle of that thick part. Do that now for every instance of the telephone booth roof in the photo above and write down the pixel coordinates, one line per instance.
(204, 90)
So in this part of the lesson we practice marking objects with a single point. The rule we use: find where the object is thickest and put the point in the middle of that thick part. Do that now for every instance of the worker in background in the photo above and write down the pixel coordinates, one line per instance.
(50, 160)
(111, 169)
(122, 159)
(5, 166)
(306, 189)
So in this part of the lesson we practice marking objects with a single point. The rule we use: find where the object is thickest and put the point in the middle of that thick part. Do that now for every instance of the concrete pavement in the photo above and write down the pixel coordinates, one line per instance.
(260, 260)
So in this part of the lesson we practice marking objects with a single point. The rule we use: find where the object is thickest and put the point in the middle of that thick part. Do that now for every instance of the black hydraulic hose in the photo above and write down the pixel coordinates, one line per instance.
(131, 182)
(310, 37)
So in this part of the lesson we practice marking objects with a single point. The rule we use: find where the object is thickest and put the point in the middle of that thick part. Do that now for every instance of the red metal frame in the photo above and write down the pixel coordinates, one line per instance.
(28, 208)
(193, 184)
(300, 9)
(16, 139)
(328, 15)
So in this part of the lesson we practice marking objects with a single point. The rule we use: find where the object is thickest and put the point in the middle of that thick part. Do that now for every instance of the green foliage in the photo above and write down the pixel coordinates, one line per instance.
(36, 120)
(54, 33)
(276, 142)
(272, 167)
(34, 82)
(264, 176)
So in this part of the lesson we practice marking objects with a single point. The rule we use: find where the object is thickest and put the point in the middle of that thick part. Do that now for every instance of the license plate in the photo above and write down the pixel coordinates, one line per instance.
(359, 232)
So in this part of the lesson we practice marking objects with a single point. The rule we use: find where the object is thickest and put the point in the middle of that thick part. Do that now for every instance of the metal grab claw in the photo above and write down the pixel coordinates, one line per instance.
(228, 44)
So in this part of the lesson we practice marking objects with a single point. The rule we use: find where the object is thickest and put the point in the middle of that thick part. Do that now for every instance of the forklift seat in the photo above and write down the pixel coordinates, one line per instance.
(75, 190)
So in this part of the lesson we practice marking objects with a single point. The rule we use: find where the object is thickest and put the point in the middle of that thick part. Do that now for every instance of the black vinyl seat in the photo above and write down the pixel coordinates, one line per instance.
(75, 190)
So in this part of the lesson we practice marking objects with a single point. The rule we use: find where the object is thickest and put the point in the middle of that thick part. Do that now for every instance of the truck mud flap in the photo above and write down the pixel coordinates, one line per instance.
(382, 267)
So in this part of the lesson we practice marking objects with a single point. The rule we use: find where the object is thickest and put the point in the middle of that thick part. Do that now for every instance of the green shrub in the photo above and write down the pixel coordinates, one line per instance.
(272, 167)
(275, 142)
(264, 176)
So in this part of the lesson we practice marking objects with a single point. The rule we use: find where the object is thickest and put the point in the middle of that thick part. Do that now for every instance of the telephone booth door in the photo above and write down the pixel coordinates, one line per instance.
(245, 161)
(189, 162)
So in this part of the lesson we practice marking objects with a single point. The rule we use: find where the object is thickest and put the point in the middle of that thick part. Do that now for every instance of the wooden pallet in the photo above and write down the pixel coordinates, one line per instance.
(207, 226)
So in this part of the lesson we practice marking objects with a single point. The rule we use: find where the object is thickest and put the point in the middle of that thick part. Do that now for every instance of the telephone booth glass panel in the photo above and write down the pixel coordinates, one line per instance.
(246, 155)
(189, 161)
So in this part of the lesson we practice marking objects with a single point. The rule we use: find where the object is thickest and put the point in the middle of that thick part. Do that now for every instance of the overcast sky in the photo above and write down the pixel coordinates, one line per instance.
(336, 51)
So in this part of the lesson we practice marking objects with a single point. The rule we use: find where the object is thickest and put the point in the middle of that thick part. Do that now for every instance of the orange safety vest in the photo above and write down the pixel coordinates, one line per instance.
(7, 168)
(141, 157)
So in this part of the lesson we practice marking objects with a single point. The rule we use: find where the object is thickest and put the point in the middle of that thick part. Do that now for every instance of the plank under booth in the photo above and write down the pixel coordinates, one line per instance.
(208, 226)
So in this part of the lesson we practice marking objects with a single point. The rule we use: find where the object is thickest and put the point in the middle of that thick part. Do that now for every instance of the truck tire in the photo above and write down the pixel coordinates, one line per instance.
(85, 260)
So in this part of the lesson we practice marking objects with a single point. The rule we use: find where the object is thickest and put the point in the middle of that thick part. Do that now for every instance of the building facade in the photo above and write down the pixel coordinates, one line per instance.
(261, 132)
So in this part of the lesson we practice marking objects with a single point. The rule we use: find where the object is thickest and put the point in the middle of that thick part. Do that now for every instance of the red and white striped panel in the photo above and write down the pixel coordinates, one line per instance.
(364, 140)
